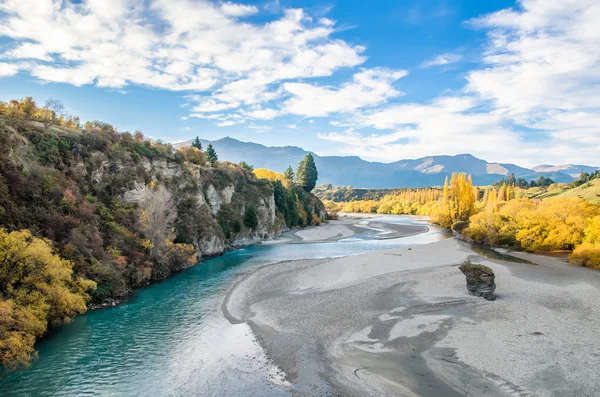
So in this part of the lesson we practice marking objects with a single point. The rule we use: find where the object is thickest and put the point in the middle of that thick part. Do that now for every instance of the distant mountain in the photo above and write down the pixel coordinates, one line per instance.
(569, 169)
(356, 172)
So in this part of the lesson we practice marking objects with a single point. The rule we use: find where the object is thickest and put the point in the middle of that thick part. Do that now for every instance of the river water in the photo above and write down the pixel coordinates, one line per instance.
(171, 339)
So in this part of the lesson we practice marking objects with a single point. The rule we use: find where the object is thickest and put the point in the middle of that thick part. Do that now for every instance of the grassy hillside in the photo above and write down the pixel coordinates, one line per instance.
(589, 191)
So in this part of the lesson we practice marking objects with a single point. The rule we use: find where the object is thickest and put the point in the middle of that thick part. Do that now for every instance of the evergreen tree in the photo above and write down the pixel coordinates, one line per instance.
(211, 155)
(197, 144)
(251, 217)
(246, 166)
(289, 174)
(307, 175)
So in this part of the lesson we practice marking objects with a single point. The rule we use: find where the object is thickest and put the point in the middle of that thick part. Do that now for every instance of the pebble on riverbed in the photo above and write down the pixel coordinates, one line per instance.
(480, 280)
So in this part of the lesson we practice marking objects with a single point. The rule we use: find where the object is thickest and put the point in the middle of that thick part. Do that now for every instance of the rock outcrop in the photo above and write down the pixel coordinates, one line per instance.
(480, 280)
(212, 201)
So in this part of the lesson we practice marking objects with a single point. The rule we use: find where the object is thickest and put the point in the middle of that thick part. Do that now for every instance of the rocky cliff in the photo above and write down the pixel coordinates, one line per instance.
(211, 202)
(126, 211)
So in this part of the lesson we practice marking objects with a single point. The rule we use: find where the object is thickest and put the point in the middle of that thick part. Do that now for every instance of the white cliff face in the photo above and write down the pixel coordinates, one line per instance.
(215, 245)
(213, 199)
(208, 235)
(209, 246)
(210, 199)
(98, 173)
(166, 168)
(227, 193)
(216, 199)
(266, 218)
(146, 164)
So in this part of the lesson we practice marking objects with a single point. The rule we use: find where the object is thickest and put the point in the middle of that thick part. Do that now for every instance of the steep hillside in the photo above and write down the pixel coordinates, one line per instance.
(88, 214)
(356, 172)
(92, 193)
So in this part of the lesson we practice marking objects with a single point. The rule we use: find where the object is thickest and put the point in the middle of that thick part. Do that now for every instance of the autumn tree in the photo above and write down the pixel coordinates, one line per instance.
(193, 155)
(307, 175)
(211, 154)
(458, 200)
(37, 288)
(263, 173)
(50, 114)
(157, 216)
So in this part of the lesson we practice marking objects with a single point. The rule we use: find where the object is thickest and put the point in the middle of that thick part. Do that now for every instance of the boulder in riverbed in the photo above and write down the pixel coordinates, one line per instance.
(480, 280)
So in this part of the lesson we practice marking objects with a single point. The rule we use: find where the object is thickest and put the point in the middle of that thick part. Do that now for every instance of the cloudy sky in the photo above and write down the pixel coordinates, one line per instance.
(386, 80)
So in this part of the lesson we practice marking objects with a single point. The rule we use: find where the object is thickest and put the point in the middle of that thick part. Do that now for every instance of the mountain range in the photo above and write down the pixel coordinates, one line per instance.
(356, 172)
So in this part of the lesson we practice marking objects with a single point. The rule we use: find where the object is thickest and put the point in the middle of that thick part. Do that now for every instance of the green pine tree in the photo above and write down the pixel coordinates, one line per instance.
(251, 217)
(307, 175)
(197, 144)
(289, 174)
(246, 166)
(211, 155)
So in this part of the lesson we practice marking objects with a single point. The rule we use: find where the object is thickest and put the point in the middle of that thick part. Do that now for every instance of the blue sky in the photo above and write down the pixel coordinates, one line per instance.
(386, 80)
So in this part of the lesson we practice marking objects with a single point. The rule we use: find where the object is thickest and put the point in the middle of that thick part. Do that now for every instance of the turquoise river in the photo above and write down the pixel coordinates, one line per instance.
(171, 339)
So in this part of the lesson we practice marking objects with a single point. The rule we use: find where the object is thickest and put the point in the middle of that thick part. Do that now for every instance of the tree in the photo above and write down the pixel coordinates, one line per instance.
(193, 155)
(246, 166)
(251, 217)
(263, 173)
(157, 217)
(157, 214)
(458, 201)
(51, 113)
(211, 155)
(307, 174)
(511, 179)
(38, 288)
(197, 144)
(289, 174)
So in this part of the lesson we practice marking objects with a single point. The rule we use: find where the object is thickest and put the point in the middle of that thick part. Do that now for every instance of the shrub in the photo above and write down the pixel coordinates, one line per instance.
(586, 254)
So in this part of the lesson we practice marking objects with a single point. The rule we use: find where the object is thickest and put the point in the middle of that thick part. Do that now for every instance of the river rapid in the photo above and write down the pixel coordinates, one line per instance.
(172, 339)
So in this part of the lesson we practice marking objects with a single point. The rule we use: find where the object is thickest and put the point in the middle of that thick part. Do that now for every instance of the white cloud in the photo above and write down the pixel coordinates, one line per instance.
(442, 60)
(534, 97)
(239, 10)
(8, 69)
(263, 114)
(29, 51)
(226, 123)
(535, 100)
(544, 57)
(292, 126)
(179, 45)
(260, 127)
(544, 71)
(369, 87)
(326, 22)
(448, 125)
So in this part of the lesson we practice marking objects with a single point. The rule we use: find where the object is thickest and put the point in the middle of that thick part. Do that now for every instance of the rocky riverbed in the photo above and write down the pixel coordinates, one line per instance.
(400, 322)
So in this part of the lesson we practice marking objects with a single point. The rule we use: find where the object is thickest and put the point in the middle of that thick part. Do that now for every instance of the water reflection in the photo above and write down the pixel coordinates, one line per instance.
(493, 254)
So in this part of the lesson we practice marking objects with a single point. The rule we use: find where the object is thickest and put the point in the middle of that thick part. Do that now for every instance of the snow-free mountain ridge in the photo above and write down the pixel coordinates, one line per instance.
(356, 172)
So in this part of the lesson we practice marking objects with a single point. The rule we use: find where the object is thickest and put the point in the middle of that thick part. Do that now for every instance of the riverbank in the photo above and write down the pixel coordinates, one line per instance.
(347, 226)
(400, 322)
